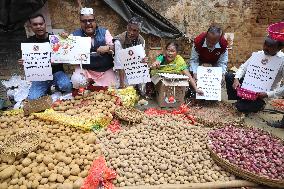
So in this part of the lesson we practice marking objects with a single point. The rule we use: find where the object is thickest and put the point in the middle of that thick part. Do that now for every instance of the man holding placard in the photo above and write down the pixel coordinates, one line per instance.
(129, 38)
(260, 74)
(100, 70)
(41, 79)
(209, 49)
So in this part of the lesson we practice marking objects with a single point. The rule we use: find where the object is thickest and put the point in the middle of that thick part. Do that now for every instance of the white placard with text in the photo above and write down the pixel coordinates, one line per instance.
(70, 50)
(209, 81)
(261, 72)
(136, 71)
(37, 64)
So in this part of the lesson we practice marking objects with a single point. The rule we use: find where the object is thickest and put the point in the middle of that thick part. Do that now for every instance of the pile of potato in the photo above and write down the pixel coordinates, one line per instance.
(161, 149)
(97, 104)
(62, 159)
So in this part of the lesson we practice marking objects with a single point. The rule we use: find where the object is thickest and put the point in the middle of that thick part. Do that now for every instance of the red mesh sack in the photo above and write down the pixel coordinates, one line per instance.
(99, 174)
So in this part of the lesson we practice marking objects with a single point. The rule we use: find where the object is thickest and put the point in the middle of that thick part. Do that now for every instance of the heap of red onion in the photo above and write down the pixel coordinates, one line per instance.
(250, 149)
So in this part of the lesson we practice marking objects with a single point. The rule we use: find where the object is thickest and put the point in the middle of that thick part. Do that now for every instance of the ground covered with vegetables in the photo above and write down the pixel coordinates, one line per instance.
(81, 142)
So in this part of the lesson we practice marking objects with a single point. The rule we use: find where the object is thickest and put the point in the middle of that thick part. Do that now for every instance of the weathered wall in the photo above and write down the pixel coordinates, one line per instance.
(65, 14)
(247, 19)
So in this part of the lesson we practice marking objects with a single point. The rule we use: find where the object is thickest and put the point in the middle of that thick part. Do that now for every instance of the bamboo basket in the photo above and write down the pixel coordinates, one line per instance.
(128, 114)
(243, 173)
(236, 118)
(21, 143)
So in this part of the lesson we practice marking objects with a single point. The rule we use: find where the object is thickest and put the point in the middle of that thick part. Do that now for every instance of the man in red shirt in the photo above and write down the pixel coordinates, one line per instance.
(209, 49)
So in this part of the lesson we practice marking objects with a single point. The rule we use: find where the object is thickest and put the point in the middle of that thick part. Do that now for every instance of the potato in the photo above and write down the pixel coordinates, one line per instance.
(65, 186)
(66, 173)
(52, 177)
(60, 178)
(7, 172)
(47, 159)
(32, 155)
(26, 162)
(75, 170)
(78, 183)
(43, 180)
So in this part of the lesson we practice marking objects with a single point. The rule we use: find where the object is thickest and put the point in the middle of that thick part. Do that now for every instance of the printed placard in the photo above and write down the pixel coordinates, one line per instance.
(37, 64)
(209, 81)
(70, 50)
(261, 72)
(136, 72)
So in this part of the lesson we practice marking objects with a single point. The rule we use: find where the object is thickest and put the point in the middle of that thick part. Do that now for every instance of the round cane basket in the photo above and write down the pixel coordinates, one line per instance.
(232, 168)
(21, 143)
(276, 31)
(128, 114)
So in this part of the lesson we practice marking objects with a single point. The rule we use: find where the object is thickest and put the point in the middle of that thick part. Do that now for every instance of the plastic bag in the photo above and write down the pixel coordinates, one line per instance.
(17, 89)
(99, 174)
(78, 79)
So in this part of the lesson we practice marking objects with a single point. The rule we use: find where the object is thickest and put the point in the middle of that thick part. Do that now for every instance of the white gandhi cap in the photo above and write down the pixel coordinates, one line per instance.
(87, 11)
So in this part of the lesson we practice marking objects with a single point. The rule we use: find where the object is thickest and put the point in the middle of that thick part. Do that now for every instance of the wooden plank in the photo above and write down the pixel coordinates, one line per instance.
(211, 185)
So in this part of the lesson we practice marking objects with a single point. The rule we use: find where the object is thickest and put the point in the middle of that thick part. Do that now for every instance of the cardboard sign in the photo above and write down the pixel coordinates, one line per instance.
(261, 72)
(71, 50)
(136, 72)
(36, 58)
(209, 81)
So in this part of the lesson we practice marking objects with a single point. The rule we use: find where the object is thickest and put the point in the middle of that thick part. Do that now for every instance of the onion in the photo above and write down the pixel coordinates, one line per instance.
(251, 149)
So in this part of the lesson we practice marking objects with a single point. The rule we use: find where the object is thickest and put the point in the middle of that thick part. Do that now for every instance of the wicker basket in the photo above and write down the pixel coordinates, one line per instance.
(129, 114)
(21, 143)
(246, 94)
(276, 31)
(201, 109)
(243, 173)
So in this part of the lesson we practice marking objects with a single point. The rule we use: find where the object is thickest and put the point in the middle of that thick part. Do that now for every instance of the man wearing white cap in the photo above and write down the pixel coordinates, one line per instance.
(101, 61)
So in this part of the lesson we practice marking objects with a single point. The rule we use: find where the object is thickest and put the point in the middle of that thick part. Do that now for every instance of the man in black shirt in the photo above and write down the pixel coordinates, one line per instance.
(60, 79)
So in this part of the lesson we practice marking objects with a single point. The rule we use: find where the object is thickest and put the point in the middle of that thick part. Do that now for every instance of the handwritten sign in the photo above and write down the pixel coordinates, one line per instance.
(261, 72)
(209, 81)
(71, 50)
(36, 58)
(136, 72)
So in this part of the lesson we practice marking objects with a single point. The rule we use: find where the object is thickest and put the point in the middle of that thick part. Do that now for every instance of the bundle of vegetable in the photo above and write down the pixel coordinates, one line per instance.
(128, 95)
(22, 142)
(251, 150)
(215, 114)
(61, 161)
(161, 149)
(129, 114)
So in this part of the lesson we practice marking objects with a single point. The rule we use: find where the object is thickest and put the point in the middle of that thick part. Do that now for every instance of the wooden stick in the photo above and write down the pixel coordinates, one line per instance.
(207, 185)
